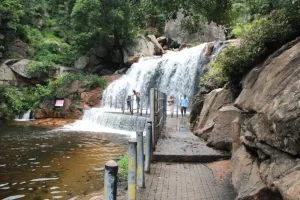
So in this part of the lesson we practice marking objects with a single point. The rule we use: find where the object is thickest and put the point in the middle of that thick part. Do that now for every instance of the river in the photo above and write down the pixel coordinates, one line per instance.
(38, 163)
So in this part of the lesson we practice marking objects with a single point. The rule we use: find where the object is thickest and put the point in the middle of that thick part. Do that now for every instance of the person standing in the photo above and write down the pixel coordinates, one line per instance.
(184, 104)
(171, 104)
(138, 99)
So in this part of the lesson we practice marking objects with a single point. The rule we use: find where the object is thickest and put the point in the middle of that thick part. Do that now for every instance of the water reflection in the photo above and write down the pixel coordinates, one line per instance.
(42, 164)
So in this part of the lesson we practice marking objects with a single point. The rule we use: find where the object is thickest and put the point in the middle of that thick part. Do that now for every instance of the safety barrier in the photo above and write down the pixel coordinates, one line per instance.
(138, 163)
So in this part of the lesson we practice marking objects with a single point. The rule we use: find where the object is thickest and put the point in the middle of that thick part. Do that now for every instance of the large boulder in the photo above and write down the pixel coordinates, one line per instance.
(214, 121)
(82, 62)
(142, 46)
(21, 67)
(210, 32)
(221, 135)
(213, 102)
(7, 76)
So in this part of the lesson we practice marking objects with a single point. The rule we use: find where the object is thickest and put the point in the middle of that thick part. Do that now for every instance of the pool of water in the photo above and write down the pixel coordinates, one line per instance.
(36, 163)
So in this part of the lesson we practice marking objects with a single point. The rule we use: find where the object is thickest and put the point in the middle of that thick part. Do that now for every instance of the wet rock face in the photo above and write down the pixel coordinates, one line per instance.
(271, 133)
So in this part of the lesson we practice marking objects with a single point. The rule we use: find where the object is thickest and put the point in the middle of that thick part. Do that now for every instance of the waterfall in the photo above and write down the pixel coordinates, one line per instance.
(25, 117)
(175, 73)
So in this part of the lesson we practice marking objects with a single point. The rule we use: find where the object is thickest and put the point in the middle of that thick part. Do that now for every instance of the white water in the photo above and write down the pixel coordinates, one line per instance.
(24, 117)
(100, 120)
(175, 73)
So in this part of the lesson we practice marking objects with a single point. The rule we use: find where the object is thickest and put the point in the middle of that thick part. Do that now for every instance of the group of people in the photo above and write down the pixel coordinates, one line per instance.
(184, 102)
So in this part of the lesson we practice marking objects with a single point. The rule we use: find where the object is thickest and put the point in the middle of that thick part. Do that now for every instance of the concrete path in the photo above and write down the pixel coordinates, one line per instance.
(178, 143)
(179, 173)
(184, 181)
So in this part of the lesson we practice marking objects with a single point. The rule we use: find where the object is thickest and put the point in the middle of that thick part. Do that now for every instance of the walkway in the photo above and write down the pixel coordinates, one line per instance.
(177, 175)
(178, 143)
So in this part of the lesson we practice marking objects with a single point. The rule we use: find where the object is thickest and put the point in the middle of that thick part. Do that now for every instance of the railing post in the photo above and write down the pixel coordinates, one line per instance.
(141, 105)
(131, 104)
(110, 101)
(152, 113)
(132, 154)
(177, 104)
(140, 160)
(123, 104)
(148, 146)
(110, 180)
(156, 115)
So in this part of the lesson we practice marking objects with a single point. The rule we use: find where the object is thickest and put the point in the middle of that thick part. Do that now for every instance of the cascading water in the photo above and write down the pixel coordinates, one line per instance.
(175, 73)
(25, 117)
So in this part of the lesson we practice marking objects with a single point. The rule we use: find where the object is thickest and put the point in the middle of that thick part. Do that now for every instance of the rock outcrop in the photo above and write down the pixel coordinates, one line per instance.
(209, 33)
(143, 46)
(270, 133)
(214, 122)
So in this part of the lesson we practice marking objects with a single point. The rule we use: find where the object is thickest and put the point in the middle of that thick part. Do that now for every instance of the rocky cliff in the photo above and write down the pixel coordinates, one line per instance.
(266, 157)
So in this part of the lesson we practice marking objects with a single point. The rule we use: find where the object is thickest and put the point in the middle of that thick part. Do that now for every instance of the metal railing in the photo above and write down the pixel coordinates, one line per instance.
(138, 164)
(158, 113)
(129, 104)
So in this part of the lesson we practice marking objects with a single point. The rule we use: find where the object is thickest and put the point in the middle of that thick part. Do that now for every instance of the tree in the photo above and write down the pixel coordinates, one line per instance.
(96, 21)
(10, 13)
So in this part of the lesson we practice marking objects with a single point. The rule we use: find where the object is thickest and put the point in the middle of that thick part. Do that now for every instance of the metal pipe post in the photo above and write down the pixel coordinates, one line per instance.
(152, 112)
(111, 101)
(131, 102)
(110, 180)
(177, 104)
(156, 119)
(132, 153)
(148, 146)
(141, 105)
(140, 160)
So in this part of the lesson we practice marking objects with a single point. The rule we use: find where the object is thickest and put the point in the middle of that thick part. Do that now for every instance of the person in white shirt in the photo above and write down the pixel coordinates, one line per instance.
(184, 104)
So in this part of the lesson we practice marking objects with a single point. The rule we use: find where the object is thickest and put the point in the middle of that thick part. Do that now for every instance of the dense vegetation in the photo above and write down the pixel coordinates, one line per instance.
(19, 100)
(58, 31)
(268, 25)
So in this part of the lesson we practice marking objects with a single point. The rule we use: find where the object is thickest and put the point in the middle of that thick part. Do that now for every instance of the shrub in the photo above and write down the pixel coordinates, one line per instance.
(260, 38)
(41, 69)
(123, 167)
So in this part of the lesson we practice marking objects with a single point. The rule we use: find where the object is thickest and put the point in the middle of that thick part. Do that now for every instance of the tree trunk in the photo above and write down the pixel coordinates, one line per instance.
(120, 48)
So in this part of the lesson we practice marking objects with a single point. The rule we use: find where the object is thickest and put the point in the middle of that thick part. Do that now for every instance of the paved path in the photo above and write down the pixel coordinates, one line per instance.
(183, 178)
(184, 181)
(178, 143)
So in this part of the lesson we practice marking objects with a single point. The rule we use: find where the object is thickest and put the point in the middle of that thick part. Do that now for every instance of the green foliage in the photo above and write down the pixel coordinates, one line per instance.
(10, 13)
(123, 167)
(41, 69)
(14, 100)
(95, 20)
(261, 37)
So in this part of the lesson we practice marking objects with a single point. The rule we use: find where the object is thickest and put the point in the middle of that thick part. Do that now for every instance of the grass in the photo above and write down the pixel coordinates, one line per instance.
(123, 167)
